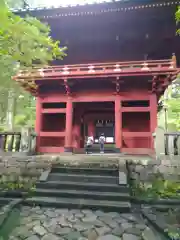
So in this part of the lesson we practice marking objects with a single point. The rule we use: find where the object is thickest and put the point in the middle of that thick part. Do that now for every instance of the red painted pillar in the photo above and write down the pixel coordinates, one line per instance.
(69, 125)
(77, 135)
(91, 128)
(153, 116)
(38, 123)
(77, 132)
(118, 122)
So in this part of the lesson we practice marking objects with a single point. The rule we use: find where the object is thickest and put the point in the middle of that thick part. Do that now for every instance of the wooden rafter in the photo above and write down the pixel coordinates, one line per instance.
(160, 83)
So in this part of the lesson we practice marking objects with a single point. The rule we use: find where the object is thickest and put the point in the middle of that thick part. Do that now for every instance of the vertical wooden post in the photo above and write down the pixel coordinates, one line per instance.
(153, 116)
(38, 123)
(17, 143)
(11, 143)
(77, 130)
(77, 133)
(69, 125)
(174, 60)
(118, 122)
(91, 128)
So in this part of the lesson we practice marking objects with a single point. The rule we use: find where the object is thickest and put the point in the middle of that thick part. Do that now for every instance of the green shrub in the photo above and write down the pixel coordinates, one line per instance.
(23, 186)
(158, 188)
(173, 228)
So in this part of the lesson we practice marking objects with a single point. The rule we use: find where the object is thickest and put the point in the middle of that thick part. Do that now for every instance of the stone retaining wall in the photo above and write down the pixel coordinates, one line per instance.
(23, 168)
(145, 171)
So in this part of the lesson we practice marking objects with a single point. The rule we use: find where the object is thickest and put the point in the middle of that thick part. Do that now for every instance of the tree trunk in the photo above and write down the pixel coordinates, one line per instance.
(10, 110)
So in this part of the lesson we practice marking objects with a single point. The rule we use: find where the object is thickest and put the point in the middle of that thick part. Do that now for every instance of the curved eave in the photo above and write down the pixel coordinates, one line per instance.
(163, 87)
(155, 69)
(27, 85)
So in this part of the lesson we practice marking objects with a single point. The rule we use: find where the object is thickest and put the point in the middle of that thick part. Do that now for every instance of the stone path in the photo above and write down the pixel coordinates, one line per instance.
(63, 224)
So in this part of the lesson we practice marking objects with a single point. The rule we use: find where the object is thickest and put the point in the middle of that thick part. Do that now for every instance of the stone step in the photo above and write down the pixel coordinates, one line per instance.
(106, 150)
(86, 170)
(110, 196)
(79, 203)
(4, 201)
(101, 187)
(83, 178)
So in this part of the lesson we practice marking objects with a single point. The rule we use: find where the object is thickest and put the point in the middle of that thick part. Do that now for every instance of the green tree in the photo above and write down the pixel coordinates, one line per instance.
(24, 43)
(16, 3)
(177, 16)
(171, 98)
(173, 105)
(171, 102)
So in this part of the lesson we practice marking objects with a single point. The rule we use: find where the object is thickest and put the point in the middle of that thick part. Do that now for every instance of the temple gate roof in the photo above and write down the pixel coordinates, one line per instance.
(88, 7)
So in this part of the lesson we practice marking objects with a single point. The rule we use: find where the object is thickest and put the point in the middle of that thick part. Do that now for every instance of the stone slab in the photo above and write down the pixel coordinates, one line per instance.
(48, 224)
(44, 175)
(122, 178)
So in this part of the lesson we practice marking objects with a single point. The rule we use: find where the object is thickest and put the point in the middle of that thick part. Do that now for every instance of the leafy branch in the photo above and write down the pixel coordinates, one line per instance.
(177, 17)
(24, 43)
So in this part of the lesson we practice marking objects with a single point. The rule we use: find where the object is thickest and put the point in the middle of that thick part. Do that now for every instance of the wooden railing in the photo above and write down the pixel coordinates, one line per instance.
(10, 141)
(15, 142)
(167, 143)
(110, 68)
(172, 143)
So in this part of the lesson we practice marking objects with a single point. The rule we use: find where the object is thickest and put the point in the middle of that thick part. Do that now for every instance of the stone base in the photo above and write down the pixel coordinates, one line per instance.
(79, 151)
(68, 149)
(117, 150)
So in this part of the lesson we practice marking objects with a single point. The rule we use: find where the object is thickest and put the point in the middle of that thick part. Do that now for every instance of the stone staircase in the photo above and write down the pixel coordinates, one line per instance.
(94, 187)
(107, 149)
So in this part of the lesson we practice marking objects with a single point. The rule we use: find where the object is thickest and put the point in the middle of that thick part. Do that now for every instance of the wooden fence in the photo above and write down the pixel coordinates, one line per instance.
(24, 141)
(172, 143)
(166, 143)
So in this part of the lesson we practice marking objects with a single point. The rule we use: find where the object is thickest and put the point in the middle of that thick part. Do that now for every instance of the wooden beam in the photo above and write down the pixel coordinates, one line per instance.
(52, 134)
(54, 110)
(136, 134)
(53, 98)
(135, 109)
(50, 149)
(94, 97)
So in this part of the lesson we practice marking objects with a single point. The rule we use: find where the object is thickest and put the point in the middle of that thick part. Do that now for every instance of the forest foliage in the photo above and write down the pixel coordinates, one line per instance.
(24, 43)
(171, 98)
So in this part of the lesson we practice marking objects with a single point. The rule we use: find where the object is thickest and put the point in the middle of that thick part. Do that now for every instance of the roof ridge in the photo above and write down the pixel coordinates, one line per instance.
(137, 4)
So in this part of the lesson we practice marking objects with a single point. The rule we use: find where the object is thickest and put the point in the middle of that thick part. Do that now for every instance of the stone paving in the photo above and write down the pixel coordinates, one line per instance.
(63, 224)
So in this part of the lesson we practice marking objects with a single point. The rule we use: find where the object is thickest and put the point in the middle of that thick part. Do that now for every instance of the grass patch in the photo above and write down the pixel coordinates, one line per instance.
(10, 223)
